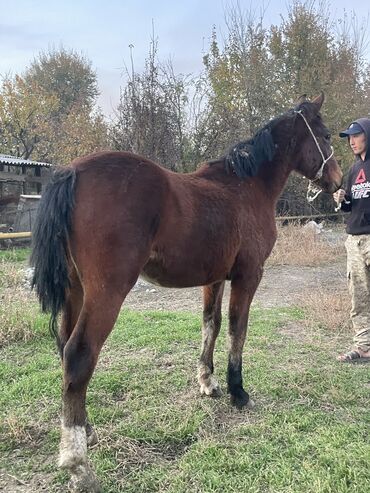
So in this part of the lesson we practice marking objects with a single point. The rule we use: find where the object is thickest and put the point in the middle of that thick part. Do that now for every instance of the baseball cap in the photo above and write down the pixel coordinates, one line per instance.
(353, 129)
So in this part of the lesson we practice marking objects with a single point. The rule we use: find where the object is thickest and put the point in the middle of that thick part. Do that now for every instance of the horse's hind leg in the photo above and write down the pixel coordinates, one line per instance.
(70, 314)
(212, 300)
(71, 310)
(96, 320)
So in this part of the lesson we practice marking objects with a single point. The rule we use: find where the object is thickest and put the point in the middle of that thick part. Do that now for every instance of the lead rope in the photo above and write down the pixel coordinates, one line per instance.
(313, 191)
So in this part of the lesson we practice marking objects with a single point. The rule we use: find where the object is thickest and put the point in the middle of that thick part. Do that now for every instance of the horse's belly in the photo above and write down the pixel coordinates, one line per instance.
(180, 273)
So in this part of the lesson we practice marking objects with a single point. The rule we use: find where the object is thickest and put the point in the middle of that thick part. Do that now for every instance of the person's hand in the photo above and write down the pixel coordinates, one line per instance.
(339, 196)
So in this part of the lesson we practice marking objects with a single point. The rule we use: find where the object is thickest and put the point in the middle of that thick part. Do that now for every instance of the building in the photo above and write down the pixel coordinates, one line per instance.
(19, 177)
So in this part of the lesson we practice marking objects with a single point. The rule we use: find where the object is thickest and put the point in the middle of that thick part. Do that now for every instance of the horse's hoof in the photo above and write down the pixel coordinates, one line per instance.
(84, 480)
(250, 404)
(91, 436)
(210, 391)
(241, 400)
(210, 387)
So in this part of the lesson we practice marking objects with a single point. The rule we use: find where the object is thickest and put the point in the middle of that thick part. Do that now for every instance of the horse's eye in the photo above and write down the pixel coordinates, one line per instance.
(327, 137)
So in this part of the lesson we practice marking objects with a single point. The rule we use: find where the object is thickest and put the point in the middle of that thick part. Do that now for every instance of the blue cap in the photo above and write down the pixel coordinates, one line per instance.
(353, 129)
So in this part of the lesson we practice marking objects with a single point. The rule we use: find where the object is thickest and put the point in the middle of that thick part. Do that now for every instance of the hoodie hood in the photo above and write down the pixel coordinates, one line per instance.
(365, 125)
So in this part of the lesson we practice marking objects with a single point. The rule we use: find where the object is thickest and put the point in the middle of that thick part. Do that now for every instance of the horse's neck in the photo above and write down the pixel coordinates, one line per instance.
(274, 176)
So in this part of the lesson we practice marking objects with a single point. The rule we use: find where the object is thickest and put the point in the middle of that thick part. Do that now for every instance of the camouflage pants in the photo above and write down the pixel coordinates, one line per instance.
(358, 274)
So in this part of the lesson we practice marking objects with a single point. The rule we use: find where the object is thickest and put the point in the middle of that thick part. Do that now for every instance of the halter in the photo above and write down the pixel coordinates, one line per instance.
(312, 188)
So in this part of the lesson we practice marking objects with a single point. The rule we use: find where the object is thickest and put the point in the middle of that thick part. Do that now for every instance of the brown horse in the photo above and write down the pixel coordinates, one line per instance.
(113, 216)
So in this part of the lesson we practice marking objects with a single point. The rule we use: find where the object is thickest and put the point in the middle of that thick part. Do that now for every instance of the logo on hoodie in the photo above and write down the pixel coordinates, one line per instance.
(361, 187)
(361, 177)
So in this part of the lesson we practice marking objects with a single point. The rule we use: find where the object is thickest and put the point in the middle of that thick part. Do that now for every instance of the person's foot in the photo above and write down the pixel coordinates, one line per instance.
(355, 356)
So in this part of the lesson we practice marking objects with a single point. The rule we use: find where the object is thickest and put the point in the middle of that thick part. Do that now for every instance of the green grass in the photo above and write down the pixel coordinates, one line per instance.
(14, 254)
(308, 433)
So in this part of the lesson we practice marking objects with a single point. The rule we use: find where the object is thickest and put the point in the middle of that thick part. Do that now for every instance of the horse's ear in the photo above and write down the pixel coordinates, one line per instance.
(318, 101)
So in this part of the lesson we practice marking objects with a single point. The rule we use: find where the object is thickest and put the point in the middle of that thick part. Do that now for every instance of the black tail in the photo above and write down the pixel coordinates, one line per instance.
(49, 243)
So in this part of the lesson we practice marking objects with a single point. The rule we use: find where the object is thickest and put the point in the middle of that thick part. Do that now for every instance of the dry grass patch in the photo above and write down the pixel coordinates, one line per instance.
(297, 330)
(18, 315)
(11, 275)
(329, 309)
(133, 454)
(17, 430)
(19, 311)
(300, 245)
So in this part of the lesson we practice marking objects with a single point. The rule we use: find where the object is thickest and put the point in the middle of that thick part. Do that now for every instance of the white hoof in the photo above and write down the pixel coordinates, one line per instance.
(210, 387)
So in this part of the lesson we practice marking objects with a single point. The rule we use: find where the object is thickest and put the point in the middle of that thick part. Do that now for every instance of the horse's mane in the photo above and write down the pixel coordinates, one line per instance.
(245, 158)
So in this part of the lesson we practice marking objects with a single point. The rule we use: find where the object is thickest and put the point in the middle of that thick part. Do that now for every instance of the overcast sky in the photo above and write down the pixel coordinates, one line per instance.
(103, 30)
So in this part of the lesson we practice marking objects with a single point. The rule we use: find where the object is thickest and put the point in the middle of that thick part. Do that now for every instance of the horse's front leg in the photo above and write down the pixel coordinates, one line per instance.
(242, 292)
(212, 301)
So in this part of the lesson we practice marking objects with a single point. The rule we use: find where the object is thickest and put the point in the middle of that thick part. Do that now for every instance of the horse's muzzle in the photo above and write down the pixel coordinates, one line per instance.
(332, 177)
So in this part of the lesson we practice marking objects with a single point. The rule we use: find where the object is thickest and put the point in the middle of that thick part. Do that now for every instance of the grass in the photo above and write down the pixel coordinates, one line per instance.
(308, 433)
(334, 317)
(299, 245)
(14, 255)
(20, 319)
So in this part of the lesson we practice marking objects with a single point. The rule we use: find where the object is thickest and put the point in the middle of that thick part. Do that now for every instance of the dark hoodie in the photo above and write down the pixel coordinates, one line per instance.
(358, 189)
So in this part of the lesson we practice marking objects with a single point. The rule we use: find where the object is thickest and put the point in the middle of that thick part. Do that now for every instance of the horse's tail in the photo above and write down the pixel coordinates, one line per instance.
(49, 243)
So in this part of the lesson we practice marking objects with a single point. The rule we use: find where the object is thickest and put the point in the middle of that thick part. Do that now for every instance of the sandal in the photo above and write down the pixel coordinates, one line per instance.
(353, 357)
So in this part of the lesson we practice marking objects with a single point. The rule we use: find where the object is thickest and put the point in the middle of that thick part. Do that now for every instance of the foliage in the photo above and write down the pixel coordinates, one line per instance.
(67, 75)
(257, 72)
(79, 133)
(48, 113)
(240, 78)
(151, 116)
(24, 113)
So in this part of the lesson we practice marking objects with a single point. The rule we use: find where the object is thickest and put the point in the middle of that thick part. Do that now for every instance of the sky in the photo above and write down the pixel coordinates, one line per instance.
(102, 31)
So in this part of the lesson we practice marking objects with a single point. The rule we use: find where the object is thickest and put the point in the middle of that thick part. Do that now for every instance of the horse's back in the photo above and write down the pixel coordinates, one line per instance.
(119, 200)
(117, 163)
(116, 177)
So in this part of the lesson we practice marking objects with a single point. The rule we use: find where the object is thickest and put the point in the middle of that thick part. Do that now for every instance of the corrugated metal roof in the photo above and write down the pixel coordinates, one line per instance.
(16, 161)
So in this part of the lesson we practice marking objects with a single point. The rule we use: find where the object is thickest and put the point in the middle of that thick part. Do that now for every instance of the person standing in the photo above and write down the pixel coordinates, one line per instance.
(355, 199)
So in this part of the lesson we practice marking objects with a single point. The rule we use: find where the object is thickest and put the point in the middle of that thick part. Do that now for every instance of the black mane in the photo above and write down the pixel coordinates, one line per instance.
(245, 158)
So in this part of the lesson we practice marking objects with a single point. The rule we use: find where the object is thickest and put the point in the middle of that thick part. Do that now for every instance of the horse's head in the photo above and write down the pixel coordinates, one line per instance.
(312, 153)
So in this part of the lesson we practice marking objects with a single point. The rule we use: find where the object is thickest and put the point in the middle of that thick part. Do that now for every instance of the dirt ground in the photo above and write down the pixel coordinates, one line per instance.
(281, 285)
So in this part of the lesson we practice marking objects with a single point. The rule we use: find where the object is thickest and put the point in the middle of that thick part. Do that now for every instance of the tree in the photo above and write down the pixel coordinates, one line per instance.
(49, 113)
(80, 133)
(68, 76)
(24, 115)
(240, 83)
(301, 48)
(312, 53)
(151, 116)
